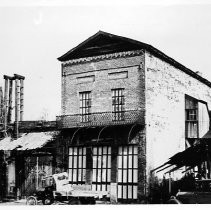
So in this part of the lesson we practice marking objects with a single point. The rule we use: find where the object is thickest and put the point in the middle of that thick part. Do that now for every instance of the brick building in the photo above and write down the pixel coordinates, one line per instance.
(126, 108)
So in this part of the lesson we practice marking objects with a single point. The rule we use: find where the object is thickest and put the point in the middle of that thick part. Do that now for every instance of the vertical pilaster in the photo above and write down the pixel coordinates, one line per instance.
(114, 172)
(89, 163)
(143, 180)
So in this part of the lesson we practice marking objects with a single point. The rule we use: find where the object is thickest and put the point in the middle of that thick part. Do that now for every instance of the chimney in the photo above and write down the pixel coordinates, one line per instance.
(10, 99)
(18, 101)
(6, 78)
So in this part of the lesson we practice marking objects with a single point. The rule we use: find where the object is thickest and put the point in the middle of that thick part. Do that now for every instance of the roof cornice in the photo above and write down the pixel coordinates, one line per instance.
(141, 45)
(102, 57)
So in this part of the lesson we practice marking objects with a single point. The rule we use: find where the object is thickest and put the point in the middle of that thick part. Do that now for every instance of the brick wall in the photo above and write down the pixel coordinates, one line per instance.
(134, 86)
(166, 87)
(101, 87)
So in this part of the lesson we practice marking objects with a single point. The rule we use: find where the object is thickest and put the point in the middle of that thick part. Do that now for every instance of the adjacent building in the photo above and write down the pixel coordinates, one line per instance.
(29, 150)
(126, 109)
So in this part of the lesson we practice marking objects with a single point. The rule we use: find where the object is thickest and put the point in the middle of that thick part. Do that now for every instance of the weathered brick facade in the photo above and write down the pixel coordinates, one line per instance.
(105, 74)
(102, 85)
(154, 85)
(166, 87)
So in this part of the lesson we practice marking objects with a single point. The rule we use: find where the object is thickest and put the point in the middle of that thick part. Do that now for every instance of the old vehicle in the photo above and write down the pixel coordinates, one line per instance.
(201, 194)
(44, 195)
(62, 191)
(173, 200)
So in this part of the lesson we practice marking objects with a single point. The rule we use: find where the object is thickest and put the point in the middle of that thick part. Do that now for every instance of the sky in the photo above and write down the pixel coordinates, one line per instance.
(33, 34)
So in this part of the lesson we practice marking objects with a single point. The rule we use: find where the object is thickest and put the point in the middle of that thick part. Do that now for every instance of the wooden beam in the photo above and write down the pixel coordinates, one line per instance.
(164, 168)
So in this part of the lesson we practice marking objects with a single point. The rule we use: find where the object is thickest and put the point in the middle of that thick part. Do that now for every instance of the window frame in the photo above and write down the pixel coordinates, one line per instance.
(127, 164)
(85, 101)
(118, 104)
(191, 118)
(78, 153)
(103, 153)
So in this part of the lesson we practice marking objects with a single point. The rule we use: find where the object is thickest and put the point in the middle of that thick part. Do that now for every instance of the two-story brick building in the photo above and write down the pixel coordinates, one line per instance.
(126, 108)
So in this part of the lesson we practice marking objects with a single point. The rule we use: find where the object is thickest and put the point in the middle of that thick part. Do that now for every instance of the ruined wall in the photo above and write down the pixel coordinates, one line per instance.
(166, 87)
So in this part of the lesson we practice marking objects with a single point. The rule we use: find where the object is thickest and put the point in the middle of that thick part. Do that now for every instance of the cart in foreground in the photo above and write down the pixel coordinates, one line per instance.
(63, 192)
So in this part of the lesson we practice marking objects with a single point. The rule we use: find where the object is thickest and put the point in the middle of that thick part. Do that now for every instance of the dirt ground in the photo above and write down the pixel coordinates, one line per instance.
(23, 202)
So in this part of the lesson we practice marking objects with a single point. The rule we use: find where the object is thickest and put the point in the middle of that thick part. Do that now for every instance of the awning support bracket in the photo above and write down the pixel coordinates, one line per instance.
(101, 132)
(130, 133)
(74, 135)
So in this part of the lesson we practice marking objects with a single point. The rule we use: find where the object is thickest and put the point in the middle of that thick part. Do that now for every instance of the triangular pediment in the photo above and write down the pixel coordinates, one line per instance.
(101, 43)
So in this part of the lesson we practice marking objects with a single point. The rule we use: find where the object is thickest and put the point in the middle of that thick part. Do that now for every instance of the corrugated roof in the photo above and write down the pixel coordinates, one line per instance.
(28, 141)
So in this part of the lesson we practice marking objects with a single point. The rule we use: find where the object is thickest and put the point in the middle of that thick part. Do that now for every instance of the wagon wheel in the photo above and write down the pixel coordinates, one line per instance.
(74, 201)
(47, 201)
(31, 200)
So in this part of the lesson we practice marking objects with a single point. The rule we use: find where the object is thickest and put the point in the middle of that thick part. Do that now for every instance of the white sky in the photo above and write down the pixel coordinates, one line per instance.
(34, 33)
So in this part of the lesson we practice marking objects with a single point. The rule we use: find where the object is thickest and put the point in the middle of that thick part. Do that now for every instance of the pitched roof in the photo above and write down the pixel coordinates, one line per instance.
(105, 43)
